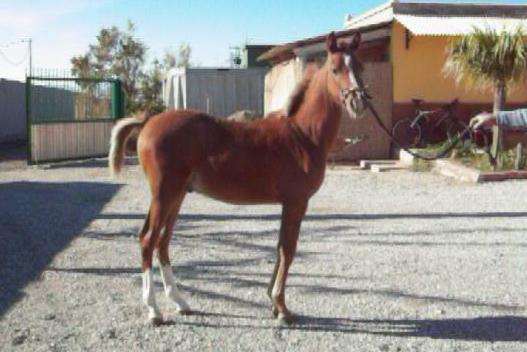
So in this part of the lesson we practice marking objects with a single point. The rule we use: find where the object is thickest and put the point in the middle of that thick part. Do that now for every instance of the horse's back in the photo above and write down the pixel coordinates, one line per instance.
(179, 139)
(191, 132)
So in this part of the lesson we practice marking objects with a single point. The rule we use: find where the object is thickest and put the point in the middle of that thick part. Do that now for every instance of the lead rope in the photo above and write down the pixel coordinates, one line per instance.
(440, 154)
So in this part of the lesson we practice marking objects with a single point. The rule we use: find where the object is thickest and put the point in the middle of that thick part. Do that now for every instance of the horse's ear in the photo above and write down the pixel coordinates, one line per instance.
(331, 42)
(355, 42)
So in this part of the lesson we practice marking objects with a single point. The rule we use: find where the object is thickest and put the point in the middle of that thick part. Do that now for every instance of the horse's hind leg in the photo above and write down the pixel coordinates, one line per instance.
(169, 282)
(148, 238)
(166, 201)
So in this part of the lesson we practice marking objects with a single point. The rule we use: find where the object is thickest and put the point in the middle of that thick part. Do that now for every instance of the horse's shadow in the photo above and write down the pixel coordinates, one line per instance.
(491, 328)
(487, 328)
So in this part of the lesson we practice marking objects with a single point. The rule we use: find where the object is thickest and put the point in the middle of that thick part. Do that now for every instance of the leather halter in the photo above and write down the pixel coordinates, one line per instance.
(358, 92)
(355, 93)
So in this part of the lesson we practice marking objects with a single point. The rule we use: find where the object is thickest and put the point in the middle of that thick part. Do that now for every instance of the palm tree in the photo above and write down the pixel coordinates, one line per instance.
(487, 59)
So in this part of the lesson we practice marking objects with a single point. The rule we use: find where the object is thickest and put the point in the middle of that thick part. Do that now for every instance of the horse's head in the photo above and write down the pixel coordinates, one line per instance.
(345, 83)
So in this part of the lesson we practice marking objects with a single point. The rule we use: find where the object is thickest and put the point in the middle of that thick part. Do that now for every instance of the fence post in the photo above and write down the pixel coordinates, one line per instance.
(28, 121)
(117, 100)
(519, 162)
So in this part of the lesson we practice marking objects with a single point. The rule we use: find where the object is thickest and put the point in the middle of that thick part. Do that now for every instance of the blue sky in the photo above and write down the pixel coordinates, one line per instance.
(63, 28)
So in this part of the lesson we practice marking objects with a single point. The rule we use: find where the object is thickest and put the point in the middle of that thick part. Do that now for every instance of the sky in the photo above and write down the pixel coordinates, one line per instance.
(61, 29)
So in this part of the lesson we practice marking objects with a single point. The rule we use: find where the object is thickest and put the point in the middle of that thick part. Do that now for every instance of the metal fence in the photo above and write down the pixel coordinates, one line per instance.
(69, 117)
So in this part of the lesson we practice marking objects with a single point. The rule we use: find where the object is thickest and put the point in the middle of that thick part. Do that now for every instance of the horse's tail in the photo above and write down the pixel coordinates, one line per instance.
(120, 134)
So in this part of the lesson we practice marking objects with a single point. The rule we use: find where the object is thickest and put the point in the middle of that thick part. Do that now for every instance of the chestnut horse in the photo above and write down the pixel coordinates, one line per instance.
(271, 160)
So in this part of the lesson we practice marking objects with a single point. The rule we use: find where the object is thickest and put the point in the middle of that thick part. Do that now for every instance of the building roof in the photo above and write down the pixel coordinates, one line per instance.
(434, 19)
(452, 26)
(443, 19)
(287, 51)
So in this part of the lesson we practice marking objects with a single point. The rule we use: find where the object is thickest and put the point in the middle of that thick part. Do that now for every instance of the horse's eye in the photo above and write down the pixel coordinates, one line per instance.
(334, 70)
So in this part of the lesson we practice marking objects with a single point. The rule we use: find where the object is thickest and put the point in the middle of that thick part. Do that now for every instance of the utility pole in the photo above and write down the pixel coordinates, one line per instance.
(28, 41)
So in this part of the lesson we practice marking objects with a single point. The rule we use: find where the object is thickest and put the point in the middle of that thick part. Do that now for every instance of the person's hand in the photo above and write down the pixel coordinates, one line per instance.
(483, 120)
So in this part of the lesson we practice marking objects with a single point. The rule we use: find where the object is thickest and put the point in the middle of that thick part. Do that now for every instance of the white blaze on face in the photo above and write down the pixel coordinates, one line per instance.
(355, 106)
(349, 65)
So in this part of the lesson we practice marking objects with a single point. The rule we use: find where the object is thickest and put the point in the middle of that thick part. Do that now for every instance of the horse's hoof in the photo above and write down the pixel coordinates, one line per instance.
(274, 310)
(156, 321)
(286, 319)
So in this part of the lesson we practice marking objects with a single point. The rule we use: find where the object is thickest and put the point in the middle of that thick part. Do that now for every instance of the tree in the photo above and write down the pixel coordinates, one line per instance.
(487, 59)
(152, 81)
(151, 85)
(184, 55)
(117, 53)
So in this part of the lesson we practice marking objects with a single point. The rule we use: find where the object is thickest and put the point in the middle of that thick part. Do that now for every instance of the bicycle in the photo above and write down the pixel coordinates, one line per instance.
(418, 131)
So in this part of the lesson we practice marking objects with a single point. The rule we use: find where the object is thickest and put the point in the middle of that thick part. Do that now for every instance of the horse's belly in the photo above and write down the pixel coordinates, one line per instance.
(236, 186)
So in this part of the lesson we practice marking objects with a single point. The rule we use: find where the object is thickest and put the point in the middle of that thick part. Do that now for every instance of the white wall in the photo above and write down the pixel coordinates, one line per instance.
(12, 111)
(280, 82)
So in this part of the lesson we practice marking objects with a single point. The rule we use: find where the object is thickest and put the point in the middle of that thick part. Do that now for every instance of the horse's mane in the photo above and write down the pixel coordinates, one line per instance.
(297, 96)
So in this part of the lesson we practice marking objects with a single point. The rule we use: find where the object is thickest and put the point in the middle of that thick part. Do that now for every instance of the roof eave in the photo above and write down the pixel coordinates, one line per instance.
(284, 52)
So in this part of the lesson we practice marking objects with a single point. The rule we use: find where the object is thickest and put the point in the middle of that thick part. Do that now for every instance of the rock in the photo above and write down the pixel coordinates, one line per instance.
(384, 348)
(18, 340)
(112, 334)
(20, 337)
(109, 334)
(50, 316)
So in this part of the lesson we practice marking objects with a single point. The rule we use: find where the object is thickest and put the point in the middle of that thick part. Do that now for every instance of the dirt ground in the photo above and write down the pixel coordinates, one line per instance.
(399, 261)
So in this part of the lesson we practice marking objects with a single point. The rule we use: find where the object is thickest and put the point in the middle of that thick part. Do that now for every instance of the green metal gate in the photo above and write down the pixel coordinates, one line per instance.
(70, 118)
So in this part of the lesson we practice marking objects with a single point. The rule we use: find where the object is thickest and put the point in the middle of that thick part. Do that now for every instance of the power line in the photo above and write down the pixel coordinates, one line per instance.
(14, 42)
(11, 62)
(30, 51)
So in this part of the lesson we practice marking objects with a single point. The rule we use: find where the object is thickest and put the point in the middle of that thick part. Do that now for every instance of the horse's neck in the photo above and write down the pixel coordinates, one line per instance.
(319, 116)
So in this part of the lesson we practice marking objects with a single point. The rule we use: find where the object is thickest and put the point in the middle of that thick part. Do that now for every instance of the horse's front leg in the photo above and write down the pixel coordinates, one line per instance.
(292, 215)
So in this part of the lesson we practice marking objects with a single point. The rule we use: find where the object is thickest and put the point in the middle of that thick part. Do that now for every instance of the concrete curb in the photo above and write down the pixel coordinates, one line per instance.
(502, 176)
(451, 169)
(460, 172)
(367, 164)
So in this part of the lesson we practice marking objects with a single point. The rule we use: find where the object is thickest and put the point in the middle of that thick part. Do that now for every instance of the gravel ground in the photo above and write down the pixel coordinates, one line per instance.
(398, 261)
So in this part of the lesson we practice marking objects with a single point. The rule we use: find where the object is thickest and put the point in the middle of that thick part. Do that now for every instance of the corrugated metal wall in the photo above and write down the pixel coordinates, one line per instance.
(67, 140)
(219, 92)
(12, 111)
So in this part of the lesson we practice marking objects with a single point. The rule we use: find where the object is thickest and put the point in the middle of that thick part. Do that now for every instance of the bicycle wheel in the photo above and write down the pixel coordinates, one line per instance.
(453, 130)
(406, 134)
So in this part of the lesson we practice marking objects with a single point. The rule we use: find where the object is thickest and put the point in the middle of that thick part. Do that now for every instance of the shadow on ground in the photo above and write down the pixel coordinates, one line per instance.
(235, 273)
(491, 328)
(37, 221)
(13, 156)
(88, 163)
(319, 217)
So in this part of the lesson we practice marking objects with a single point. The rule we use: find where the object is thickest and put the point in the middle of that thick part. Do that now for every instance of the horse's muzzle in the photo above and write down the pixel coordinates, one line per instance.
(355, 101)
